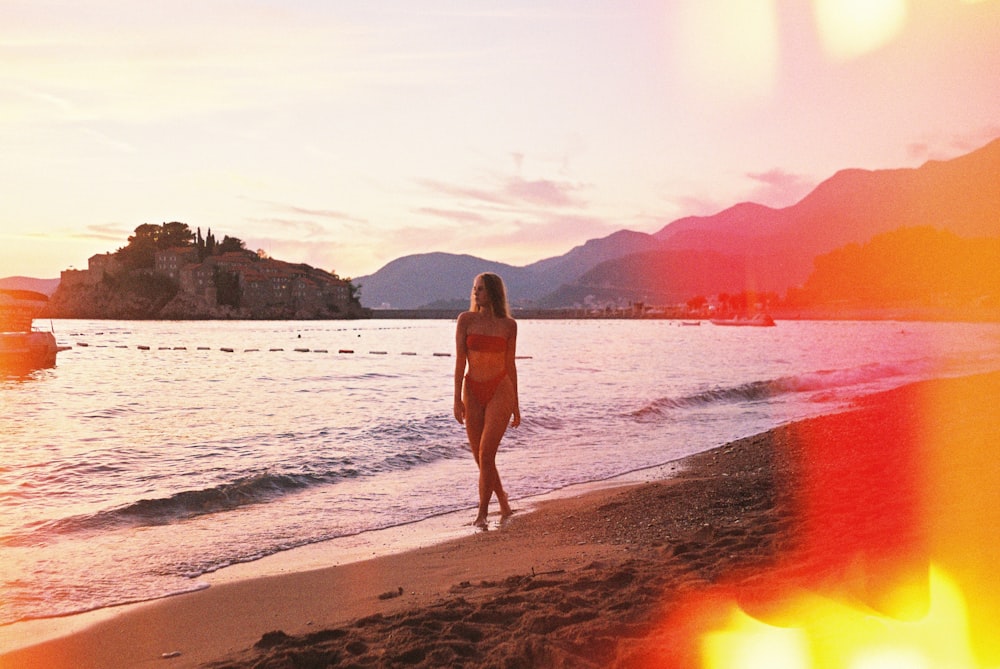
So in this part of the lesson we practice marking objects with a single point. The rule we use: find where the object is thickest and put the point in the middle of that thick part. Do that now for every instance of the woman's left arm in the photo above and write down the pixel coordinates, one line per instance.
(512, 372)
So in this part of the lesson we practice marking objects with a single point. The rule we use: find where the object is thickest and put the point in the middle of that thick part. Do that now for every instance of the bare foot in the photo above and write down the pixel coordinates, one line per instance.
(505, 510)
(481, 522)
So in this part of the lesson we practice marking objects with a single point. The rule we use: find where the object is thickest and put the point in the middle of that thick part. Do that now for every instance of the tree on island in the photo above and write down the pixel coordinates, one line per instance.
(140, 252)
(229, 245)
(150, 238)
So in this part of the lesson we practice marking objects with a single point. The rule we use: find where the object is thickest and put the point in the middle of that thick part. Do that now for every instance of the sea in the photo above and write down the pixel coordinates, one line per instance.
(156, 453)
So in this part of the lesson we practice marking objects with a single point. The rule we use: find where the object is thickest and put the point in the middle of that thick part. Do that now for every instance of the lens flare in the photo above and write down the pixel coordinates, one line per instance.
(728, 50)
(835, 634)
(886, 556)
(850, 28)
(748, 644)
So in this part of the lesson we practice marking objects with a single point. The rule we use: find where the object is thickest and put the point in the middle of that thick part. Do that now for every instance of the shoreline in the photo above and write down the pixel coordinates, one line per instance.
(336, 552)
(609, 577)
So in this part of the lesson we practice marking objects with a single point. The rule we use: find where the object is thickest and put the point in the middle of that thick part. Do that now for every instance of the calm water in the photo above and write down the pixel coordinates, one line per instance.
(126, 474)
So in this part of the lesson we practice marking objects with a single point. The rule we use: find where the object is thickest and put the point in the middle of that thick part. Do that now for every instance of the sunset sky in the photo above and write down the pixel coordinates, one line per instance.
(347, 134)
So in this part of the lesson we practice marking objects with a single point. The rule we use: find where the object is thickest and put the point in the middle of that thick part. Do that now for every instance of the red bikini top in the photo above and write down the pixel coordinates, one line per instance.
(485, 343)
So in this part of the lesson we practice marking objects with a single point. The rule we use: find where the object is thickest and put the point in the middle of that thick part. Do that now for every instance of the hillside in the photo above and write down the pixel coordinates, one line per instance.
(44, 286)
(438, 279)
(744, 247)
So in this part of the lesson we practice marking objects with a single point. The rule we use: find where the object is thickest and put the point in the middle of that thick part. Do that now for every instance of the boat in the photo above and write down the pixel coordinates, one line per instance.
(24, 348)
(757, 320)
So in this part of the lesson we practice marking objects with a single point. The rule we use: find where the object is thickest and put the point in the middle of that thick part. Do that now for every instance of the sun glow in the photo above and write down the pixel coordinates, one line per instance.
(840, 635)
(748, 643)
(728, 50)
(850, 28)
(897, 557)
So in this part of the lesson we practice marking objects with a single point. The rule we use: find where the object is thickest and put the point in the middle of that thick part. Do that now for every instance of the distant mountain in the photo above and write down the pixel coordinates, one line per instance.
(668, 277)
(416, 281)
(571, 266)
(44, 286)
(745, 247)
(443, 279)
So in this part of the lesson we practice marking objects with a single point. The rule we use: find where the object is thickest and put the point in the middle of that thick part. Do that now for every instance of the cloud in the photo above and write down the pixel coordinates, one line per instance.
(299, 227)
(511, 192)
(777, 188)
(453, 215)
(555, 230)
(945, 147)
(542, 192)
(107, 141)
(462, 192)
(326, 213)
(694, 205)
(295, 227)
(114, 232)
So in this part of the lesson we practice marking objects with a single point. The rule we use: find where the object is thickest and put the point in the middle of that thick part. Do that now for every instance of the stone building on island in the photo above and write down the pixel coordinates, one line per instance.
(236, 284)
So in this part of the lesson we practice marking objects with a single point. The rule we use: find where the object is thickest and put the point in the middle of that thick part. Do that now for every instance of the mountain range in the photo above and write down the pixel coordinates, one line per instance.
(44, 286)
(745, 247)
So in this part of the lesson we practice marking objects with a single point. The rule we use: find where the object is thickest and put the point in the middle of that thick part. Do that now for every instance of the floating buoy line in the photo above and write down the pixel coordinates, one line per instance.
(277, 349)
(298, 349)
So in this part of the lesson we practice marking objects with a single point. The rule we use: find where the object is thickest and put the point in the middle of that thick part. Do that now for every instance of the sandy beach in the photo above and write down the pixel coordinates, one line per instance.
(856, 510)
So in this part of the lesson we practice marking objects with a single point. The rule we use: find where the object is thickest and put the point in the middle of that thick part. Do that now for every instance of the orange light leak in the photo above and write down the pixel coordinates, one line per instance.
(895, 557)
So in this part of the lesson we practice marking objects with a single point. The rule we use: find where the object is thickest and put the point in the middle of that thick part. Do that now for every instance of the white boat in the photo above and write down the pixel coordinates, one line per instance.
(22, 347)
(758, 320)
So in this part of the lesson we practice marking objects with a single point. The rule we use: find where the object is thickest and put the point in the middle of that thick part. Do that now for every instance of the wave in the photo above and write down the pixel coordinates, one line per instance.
(410, 447)
(160, 511)
(768, 389)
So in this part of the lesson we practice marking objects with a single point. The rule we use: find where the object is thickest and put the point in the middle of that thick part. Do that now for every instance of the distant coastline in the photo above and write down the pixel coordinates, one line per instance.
(779, 313)
(841, 313)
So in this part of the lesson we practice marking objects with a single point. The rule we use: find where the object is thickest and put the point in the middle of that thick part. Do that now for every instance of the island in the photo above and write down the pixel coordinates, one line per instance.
(169, 272)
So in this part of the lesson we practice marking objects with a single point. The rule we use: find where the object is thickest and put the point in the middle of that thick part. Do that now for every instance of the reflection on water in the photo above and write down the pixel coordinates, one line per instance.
(157, 451)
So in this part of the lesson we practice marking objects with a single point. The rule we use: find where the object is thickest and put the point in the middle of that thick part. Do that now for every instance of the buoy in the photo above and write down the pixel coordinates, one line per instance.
(226, 349)
(276, 349)
(204, 348)
(346, 350)
(143, 347)
(407, 353)
(376, 352)
(82, 343)
(442, 355)
(319, 350)
(302, 350)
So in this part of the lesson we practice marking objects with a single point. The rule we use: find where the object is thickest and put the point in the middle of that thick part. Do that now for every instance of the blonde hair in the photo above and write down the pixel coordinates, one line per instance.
(496, 291)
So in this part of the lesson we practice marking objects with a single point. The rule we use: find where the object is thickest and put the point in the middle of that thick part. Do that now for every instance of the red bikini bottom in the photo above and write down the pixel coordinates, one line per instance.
(483, 391)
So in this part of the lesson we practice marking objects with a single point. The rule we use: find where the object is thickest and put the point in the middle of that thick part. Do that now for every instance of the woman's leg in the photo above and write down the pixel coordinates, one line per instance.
(495, 421)
(475, 421)
(475, 418)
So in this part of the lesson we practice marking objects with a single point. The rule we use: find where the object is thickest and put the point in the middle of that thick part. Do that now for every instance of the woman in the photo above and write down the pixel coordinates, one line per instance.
(486, 383)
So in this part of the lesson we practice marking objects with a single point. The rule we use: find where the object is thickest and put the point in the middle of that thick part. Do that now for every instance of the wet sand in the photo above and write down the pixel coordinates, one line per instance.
(852, 507)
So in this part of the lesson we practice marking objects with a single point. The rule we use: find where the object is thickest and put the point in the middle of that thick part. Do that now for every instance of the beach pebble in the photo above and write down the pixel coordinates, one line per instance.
(391, 594)
(171, 654)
